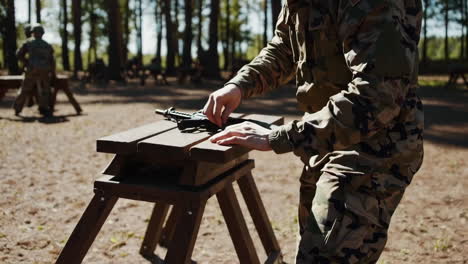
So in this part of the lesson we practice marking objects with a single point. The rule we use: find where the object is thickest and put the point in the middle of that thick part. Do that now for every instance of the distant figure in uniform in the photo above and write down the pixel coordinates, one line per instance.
(28, 33)
(156, 70)
(355, 63)
(38, 57)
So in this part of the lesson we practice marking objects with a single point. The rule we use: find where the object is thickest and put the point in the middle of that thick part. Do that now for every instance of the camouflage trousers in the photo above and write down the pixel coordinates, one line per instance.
(346, 202)
(34, 79)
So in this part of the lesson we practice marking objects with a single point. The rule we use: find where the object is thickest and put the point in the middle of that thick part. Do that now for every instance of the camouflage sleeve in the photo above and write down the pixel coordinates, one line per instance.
(381, 54)
(272, 67)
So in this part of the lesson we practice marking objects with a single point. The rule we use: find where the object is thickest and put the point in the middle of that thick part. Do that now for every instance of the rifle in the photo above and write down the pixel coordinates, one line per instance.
(198, 120)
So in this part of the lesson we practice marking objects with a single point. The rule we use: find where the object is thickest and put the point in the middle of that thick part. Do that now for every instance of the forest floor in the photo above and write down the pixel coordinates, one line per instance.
(47, 168)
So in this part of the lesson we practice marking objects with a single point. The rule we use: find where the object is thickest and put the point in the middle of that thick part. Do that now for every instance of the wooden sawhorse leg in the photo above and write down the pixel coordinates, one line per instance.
(158, 231)
(237, 227)
(69, 94)
(168, 230)
(234, 220)
(260, 218)
(71, 99)
(154, 231)
(189, 213)
(87, 229)
(464, 80)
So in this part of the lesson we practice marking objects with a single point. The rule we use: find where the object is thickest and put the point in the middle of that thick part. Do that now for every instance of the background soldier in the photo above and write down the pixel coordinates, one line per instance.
(355, 64)
(37, 55)
(28, 33)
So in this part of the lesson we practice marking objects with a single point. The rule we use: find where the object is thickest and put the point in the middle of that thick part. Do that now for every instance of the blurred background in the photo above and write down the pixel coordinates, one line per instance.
(220, 34)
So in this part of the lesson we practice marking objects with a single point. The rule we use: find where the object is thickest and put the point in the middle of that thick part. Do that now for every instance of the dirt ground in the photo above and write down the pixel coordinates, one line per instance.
(47, 168)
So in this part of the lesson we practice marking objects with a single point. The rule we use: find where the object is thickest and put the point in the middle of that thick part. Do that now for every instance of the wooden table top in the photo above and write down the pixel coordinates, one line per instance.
(21, 77)
(162, 140)
(14, 81)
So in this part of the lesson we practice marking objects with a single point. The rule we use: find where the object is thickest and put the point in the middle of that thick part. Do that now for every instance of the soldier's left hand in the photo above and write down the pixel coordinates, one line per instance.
(245, 134)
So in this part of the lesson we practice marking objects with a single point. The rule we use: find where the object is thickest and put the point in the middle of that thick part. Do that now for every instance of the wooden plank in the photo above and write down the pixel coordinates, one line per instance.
(228, 178)
(11, 82)
(173, 144)
(169, 229)
(126, 142)
(87, 229)
(207, 151)
(259, 215)
(14, 81)
(21, 77)
(202, 172)
(274, 257)
(143, 190)
(154, 229)
(237, 227)
(189, 214)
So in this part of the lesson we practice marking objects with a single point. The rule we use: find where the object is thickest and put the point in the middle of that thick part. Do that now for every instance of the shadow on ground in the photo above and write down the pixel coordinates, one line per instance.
(46, 120)
(446, 115)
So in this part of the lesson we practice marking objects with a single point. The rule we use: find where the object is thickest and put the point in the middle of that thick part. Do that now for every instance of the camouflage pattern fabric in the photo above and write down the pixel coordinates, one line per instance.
(40, 64)
(361, 139)
(39, 79)
(40, 54)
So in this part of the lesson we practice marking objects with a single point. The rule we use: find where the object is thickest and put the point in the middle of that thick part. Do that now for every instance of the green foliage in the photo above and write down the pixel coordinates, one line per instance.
(435, 48)
(432, 83)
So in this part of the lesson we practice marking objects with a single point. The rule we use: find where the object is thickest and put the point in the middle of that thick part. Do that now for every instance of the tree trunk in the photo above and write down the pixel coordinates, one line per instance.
(275, 11)
(466, 30)
(176, 31)
(170, 39)
(462, 32)
(11, 60)
(235, 30)
(64, 35)
(188, 36)
(424, 47)
(115, 40)
(78, 62)
(29, 12)
(212, 60)
(126, 35)
(38, 11)
(446, 22)
(159, 28)
(92, 52)
(265, 23)
(139, 27)
(228, 36)
(200, 25)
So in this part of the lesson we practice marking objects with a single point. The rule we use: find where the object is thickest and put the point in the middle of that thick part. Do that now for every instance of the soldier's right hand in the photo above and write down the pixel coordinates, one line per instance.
(222, 103)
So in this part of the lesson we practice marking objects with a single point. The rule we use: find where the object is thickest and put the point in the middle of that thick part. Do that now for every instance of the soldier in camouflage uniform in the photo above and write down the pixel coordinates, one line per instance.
(355, 63)
(38, 57)
(28, 34)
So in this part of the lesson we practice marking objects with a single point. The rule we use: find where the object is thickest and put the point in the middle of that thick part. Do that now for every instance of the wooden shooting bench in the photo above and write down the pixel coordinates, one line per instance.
(61, 83)
(456, 71)
(159, 163)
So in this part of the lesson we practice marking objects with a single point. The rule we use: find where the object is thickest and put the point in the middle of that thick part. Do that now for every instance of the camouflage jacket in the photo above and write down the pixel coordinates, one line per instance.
(40, 55)
(355, 63)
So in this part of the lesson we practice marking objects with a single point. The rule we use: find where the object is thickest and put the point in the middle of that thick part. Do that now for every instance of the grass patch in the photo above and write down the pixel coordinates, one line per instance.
(432, 83)
(442, 244)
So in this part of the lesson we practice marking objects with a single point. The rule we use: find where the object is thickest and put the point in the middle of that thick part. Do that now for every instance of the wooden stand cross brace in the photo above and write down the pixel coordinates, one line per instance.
(158, 163)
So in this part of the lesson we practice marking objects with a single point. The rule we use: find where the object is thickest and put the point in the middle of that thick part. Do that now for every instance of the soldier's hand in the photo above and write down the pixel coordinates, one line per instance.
(247, 134)
(222, 103)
